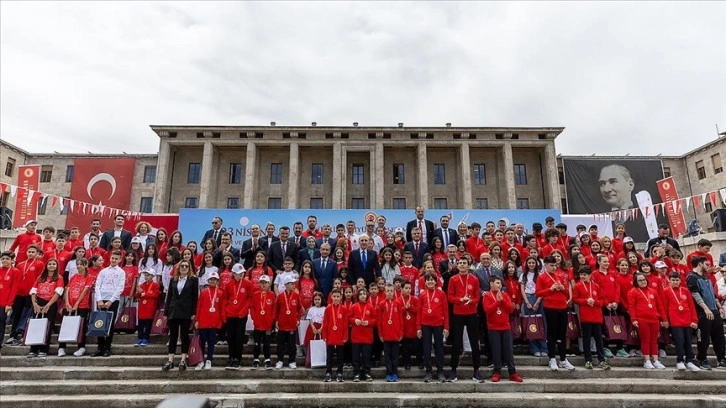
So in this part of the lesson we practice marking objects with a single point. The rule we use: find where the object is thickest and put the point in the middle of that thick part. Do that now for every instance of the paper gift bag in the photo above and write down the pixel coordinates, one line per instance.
(126, 321)
(71, 330)
(467, 343)
(615, 328)
(160, 327)
(573, 326)
(633, 339)
(36, 331)
(99, 324)
(196, 355)
(302, 330)
(318, 353)
(664, 336)
(250, 326)
(533, 327)
(516, 324)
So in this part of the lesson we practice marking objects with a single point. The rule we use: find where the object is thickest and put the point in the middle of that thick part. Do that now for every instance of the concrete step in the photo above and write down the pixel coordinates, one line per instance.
(390, 399)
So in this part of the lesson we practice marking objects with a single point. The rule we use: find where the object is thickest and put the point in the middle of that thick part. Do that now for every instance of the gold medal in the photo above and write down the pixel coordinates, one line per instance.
(390, 322)
(680, 308)
(430, 311)
(287, 313)
(235, 301)
(142, 302)
(408, 317)
(211, 309)
(335, 328)
(650, 305)
(262, 312)
(1, 285)
(499, 311)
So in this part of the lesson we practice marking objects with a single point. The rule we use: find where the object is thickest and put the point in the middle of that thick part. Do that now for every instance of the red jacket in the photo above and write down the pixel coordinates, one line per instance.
(9, 281)
(390, 320)
(475, 246)
(645, 306)
(498, 311)
(147, 299)
(461, 286)
(433, 309)
(306, 288)
(410, 311)
(513, 289)
(61, 256)
(609, 286)
(90, 252)
(583, 291)
(335, 325)
(548, 249)
(211, 299)
(47, 288)
(655, 282)
(30, 270)
(238, 296)
(678, 307)
(289, 310)
(254, 273)
(365, 312)
(262, 310)
(72, 244)
(131, 272)
(506, 247)
(690, 256)
(410, 273)
(625, 283)
(21, 243)
(551, 299)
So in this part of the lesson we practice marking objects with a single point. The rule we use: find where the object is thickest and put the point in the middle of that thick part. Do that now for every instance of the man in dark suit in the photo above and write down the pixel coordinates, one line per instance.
(485, 271)
(225, 246)
(417, 247)
(297, 235)
(426, 226)
(327, 238)
(664, 231)
(117, 231)
(448, 268)
(363, 262)
(448, 235)
(325, 270)
(216, 232)
(281, 249)
(251, 246)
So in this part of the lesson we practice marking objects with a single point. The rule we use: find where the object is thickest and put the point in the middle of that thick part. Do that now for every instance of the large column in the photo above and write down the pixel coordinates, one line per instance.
(465, 190)
(378, 199)
(163, 175)
(423, 176)
(207, 186)
(250, 175)
(510, 195)
(337, 176)
(293, 175)
(551, 179)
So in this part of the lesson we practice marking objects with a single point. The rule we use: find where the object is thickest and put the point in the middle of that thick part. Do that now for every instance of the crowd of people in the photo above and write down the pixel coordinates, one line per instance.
(391, 294)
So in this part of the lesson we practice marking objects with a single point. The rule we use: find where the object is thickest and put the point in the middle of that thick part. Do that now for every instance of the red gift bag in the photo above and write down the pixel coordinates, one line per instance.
(573, 326)
(160, 326)
(615, 328)
(533, 327)
(516, 324)
(126, 321)
(633, 339)
(196, 355)
(664, 336)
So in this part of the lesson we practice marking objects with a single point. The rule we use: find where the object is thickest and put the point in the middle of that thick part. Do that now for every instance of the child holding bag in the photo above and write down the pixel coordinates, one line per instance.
(44, 296)
(147, 294)
(77, 300)
(210, 317)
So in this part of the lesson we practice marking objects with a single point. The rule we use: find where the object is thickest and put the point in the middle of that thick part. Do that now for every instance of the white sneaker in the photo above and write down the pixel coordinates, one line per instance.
(632, 353)
(199, 367)
(680, 366)
(662, 353)
(279, 365)
(658, 365)
(292, 366)
(553, 364)
(692, 367)
(648, 365)
(537, 354)
(80, 352)
(567, 366)
(61, 352)
(208, 365)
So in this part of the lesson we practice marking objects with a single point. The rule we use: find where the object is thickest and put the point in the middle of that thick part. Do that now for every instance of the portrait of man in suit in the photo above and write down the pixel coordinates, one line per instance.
(426, 226)
(216, 231)
(281, 249)
(363, 262)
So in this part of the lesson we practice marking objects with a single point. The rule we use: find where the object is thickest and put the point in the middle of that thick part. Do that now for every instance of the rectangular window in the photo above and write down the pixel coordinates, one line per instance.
(4, 199)
(482, 203)
(276, 173)
(149, 174)
(357, 203)
(700, 169)
(479, 174)
(191, 202)
(9, 166)
(666, 171)
(399, 204)
(561, 175)
(523, 203)
(42, 204)
(520, 174)
(439, 173)
(195, 174)
(317, 174)
(399, 176)
(46, 174)
(146, 204)
(235, 173)
(440, 203)
(358, 174)
(716, 161)
(316, 203)
(708, 207)
(69, 173)
(563, 204)
(274, 203)
(232, 202)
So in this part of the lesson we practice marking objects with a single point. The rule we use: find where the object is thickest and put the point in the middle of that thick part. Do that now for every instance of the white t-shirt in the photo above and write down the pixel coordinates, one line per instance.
(315, 314)
(204, 279)
(166, 276)
(279, 279)
(71, 268)
(529, 284)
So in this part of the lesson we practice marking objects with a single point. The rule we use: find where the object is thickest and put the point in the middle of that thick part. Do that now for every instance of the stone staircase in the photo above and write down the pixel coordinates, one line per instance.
(132, 377)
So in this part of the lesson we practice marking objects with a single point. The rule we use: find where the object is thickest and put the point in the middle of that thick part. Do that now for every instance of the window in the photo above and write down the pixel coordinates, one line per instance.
(357, 203)
(482, 203)
(563, 205)
(235, 173)
(195, 173)
(4, 199)
(440, 203)
(274, 203)
(46, 174)
(232, 202)
(699, 169)
(561, 175)
(42, 204)
(149, 174)
(146, 204)
(358, 174)
(69, 173)
(439, 173)
(276, 173)
(666, 171)
(317, 176)
(523, 203)
(399, 177)
(316, 203)
(480, 174)
(191, 202)
(9, 166)
(399, 204)
(716, 161)
(520, 174)
(708, 207)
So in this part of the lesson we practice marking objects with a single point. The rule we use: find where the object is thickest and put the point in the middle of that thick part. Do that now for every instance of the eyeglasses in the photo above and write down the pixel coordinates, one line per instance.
(215, 222)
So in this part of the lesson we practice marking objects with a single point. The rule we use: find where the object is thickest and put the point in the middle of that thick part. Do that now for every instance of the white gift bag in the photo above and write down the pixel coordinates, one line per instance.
(36, 331)
(318, 353)
(250, 326)
(467, 343)
(302, 330)
(71, 330)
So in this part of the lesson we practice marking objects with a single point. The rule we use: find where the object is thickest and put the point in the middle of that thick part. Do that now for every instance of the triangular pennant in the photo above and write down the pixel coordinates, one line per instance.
(713, 199)
(688, 202)
(676, 206)
(3, 187)
(29, 197)
(14, 190)
(697, 201)
(62, 203)
(662, 207)
(647, 211)
(722, 192)
(73, 205)
(704, 196)
(54, 201)
(656, 209)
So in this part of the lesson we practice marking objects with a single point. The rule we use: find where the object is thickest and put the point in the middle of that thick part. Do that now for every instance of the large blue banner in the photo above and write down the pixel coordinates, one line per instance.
(193, 223)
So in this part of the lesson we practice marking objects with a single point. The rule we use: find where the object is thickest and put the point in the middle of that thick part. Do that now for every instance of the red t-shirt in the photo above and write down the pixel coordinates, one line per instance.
(9, 280)
(75, 288)
(22, 242)
(47, 288)
(498, 311)
(390, 320)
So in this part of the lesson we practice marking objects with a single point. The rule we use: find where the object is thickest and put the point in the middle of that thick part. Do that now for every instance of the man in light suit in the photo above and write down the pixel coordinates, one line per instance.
(281, 249)
(448, 235)
(216, 232)
(417, 247)
(325, 270)
(363, 262)
(427, 227)
(117, 231)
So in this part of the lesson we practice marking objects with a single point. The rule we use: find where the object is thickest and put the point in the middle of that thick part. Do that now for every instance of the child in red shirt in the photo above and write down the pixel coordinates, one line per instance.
(262, 311)
(362, 317)
(432, 320)
(210, 317)
(335, 334)
(238, 294)
(9, 279)
(410, 342)
(44, 296)
(554, 290)
(681, 317)
(591, 300)
(147, 293)
(498, 306)
(390, 331)
(646, 313)
(289, 311)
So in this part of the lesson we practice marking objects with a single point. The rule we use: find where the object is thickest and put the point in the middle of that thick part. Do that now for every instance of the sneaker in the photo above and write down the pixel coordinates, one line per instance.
(566, 365)
(199, 367)
(31, 355)
(658, 365)
(256, 364)
(516, 378)
(328, 378)
(250, 341)
(607, 353)
(496, 377)
(339, 378)
(394, 377)
(368, 378)
(235, 365)
(621, 353)
(229, 365)
(207, 365)
(98, 353)
(42, 355)
(588, 365)
(144, 343)
(219, 343)
(61, 352)
(452, 376)
(14, 342)
(138, 343)
(278, 365)
(9, 341)
(537, 354)
(477, 377)
(356, 378)
(705, 365)
(632, 353)
(182, 366)
(553, 364)
(721, 364)
(107, 353)
(389, 378)
(648, 365)
(80, 352)
(292, 365)
(428, 377)
(692, 367)
(662, 353)
(680, 366)
(167, 366)
(268, 365)
(604, 365)
(441, 377)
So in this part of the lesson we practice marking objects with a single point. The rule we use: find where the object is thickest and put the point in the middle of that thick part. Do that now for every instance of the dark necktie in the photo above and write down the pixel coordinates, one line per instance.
(364, 258)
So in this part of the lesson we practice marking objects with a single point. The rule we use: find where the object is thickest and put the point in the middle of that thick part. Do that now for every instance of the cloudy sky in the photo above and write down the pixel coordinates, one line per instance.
(643, 78)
